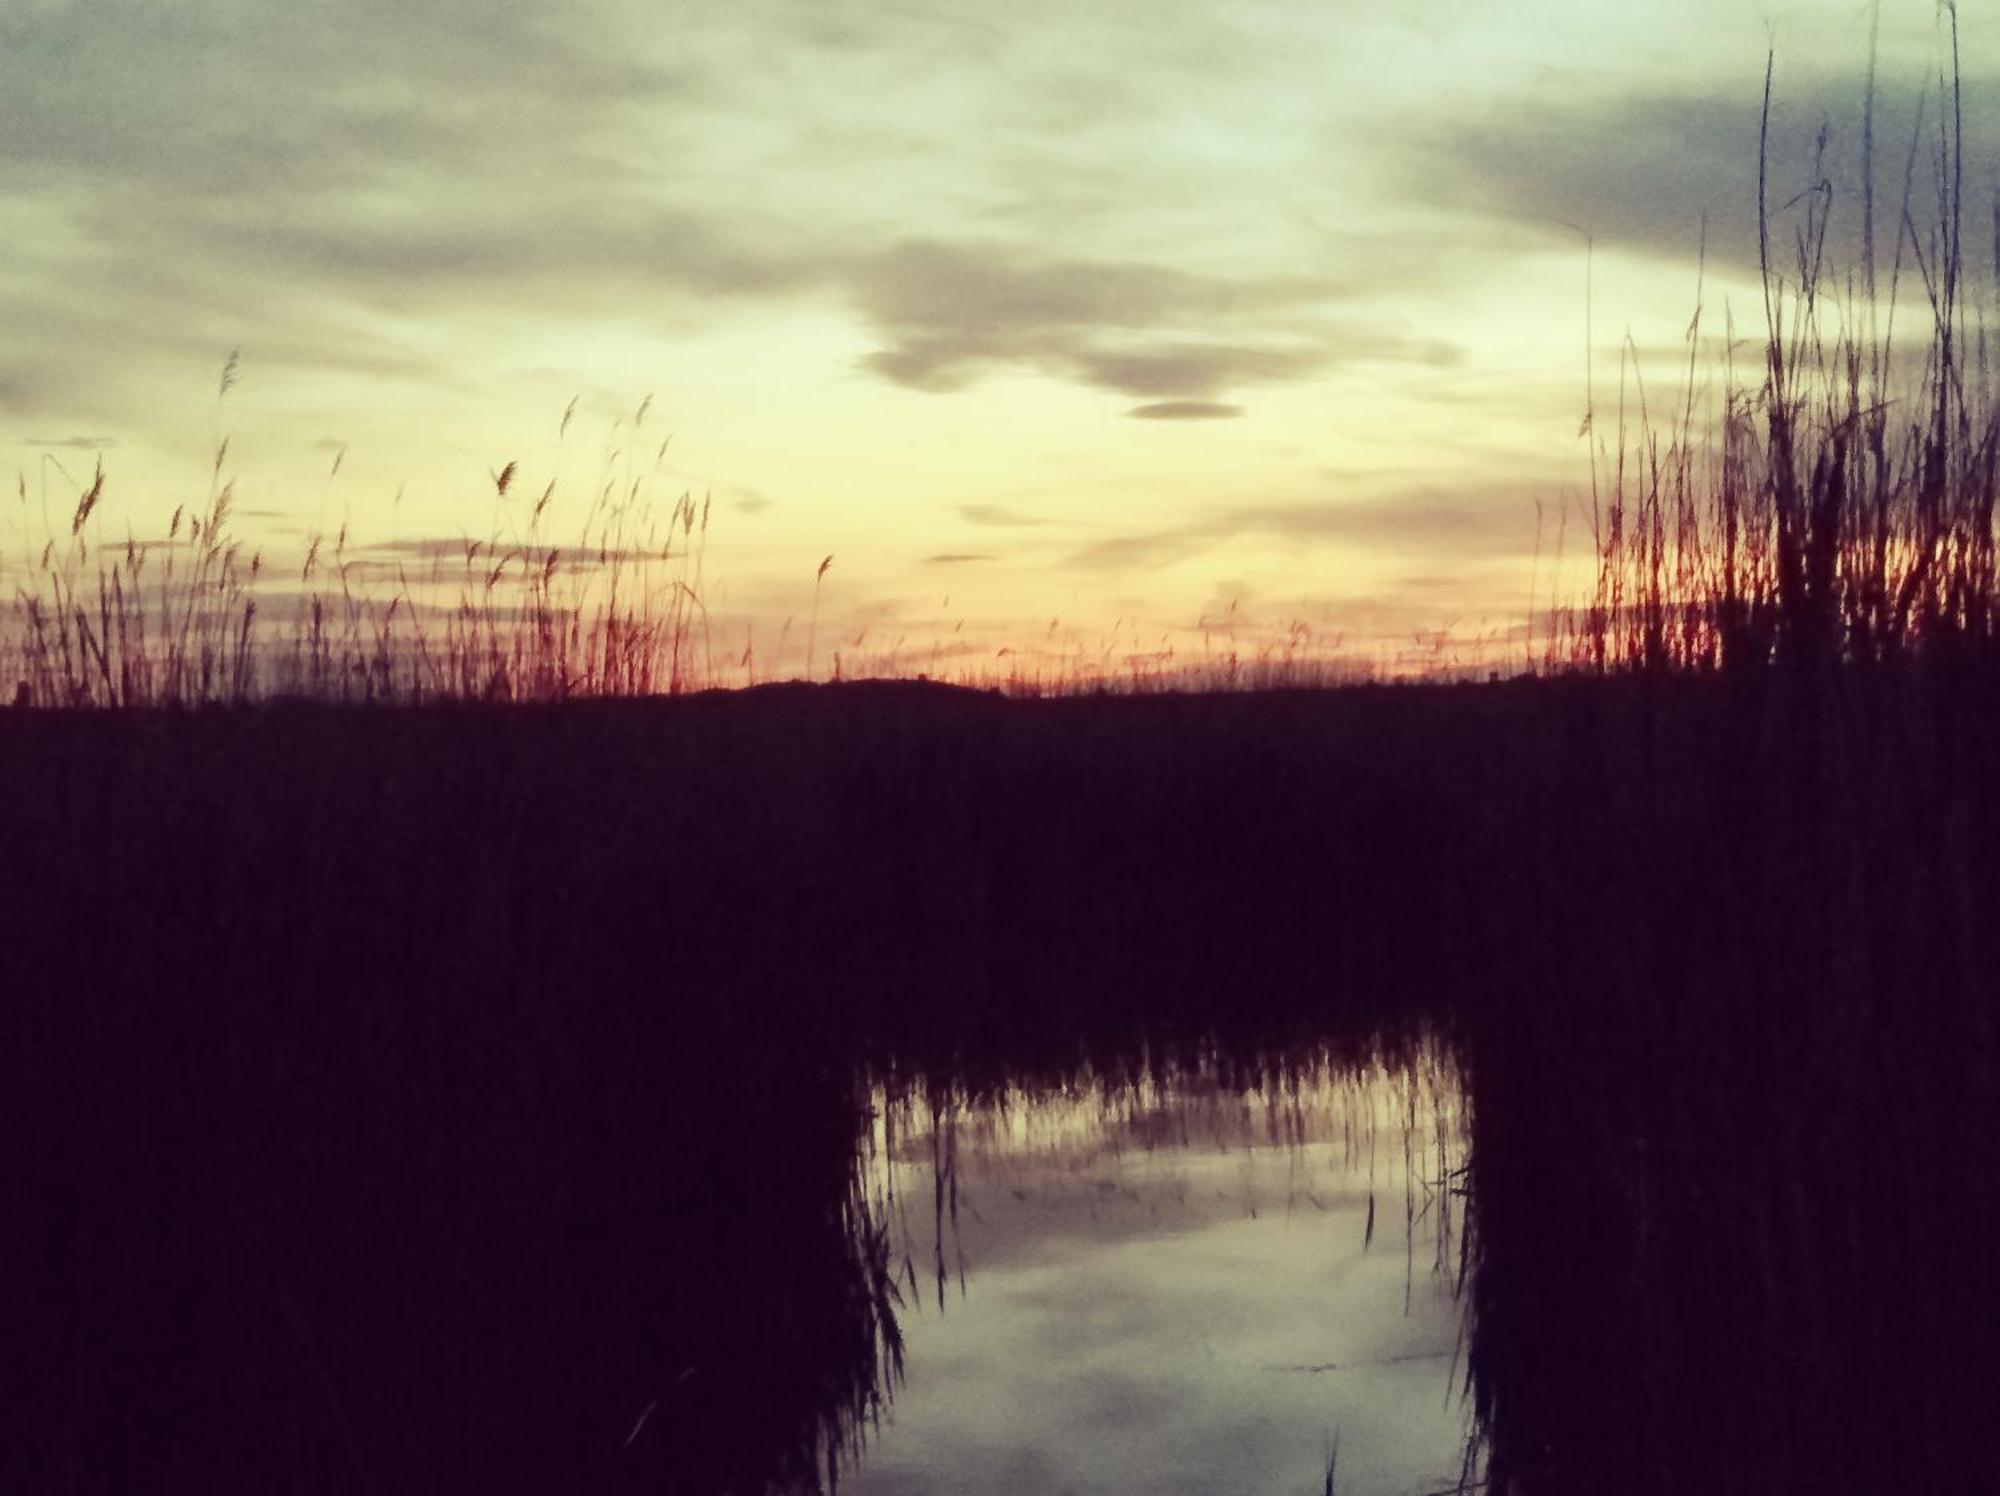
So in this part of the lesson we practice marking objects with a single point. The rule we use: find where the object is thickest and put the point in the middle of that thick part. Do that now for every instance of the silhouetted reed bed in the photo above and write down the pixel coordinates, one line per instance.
(1734, 1094)
(1733, 1073)
(195, 616)
(413, 1090)
(1839, 506)
(408, 1098)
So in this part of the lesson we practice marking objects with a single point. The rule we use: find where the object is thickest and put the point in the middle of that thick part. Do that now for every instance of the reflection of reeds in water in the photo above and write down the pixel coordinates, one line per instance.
(1391, 1112)
(387, 1094)
(464, 1099)
(1059, 1176)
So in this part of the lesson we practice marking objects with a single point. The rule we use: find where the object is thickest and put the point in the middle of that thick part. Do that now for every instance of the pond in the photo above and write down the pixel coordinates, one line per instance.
(940, 1096)
(1175, 1286)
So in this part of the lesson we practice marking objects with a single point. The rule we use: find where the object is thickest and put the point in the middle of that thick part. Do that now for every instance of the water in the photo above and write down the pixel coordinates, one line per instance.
(1174, 1288)
(397, 1144)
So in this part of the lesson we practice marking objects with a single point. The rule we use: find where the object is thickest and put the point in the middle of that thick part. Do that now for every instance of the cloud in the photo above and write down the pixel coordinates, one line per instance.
(1493, 519)
(958, 558)
(1150, 549)
(482, 555)
(1435, 517)
(1185, 410)
(176, 189)
(1641, 171)
(71, 443)
(952, 314)
(206, 94)
(483, 156)
(998, 515)
(464, 170)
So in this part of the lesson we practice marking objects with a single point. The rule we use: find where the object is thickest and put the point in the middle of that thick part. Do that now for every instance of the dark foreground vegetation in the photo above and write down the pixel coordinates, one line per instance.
(446, 1083)
(1732, 1067)
(468, 1098)
(411, 1099)
(1745, 1052)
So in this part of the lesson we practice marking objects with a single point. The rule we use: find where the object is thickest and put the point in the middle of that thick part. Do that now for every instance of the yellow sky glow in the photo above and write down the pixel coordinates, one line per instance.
(1106, 320)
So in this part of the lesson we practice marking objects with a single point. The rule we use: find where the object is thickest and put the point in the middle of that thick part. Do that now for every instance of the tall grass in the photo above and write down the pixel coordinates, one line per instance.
(410, 1013)
(196, 617)
(1840, 504)
(1733, 1065)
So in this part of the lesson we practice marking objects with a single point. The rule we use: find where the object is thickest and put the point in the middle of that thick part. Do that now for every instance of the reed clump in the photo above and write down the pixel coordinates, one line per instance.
(1840, 505)
(197, 618)
(477, 1086)
(1733, 1069)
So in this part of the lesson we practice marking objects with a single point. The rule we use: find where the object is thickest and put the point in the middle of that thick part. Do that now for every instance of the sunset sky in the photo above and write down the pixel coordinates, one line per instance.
(1108, 315)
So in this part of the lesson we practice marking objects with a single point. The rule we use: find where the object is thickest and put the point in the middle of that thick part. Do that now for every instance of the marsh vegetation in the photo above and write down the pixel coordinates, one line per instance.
(444, 1054)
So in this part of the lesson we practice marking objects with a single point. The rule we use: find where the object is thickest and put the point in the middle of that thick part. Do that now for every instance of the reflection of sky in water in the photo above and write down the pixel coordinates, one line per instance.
(1160, 1297)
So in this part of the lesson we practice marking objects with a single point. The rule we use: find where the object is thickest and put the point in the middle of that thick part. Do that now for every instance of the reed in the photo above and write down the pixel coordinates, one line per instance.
(193, 619)
(365, 1049)
(1840, 506)
(409, 1098)
(1733, 1065)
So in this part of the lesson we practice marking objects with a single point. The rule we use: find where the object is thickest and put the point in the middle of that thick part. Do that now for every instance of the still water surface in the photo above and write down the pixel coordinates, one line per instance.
(1178, 1287)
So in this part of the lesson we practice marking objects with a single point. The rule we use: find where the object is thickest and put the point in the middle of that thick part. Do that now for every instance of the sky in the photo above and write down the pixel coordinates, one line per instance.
(1091, 329)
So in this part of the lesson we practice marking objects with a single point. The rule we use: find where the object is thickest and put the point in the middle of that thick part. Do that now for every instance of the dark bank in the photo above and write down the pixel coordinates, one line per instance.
(405, 1098)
